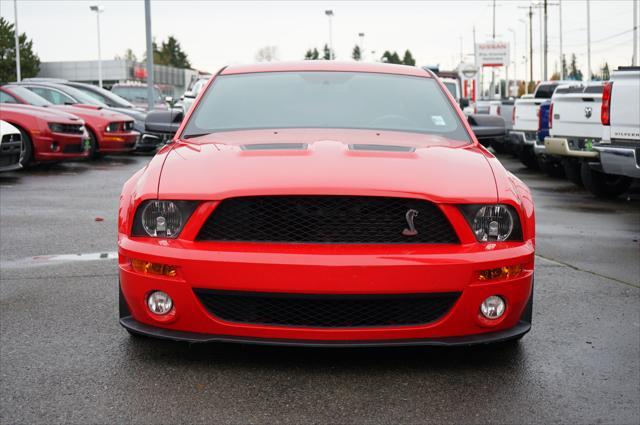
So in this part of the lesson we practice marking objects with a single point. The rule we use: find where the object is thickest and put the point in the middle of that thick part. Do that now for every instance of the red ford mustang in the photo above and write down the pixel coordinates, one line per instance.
(321, 203)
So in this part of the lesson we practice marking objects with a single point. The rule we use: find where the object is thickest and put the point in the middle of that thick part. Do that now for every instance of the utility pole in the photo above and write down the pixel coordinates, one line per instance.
(329, 13)
(562, 76)
(98, 9)
(588, 41)
(515, 61)
(530, 46)
(17, 37)
(634, 57)
(461, 49)
(545, 45)
(147, 23)
(492, 87)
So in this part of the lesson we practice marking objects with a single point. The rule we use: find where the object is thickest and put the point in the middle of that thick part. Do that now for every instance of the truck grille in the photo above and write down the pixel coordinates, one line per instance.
(327, 219)
(327, 311)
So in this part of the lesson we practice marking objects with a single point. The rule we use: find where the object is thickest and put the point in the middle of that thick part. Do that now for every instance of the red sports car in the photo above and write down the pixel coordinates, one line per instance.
(47, 135)
(109, 132)
(325, 203)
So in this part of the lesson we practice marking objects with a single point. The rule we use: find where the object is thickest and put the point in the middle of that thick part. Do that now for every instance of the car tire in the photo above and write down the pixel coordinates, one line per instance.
(550, 167)
(603, 185)
(528, 158)
(572, 170)
(26, 149)
(500, 147)
(94, 150)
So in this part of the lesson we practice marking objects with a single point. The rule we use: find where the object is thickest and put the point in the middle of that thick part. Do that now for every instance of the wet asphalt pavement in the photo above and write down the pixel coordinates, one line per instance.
(65, 359)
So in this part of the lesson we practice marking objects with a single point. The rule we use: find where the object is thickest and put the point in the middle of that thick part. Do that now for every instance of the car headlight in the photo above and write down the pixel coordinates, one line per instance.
(162, 219)
(56, 127)
(112, 127)
(491, 223)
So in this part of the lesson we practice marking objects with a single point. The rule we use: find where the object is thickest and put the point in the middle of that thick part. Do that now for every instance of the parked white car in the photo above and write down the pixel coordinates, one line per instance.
(10, 147)
(190, 95)
(574, 126)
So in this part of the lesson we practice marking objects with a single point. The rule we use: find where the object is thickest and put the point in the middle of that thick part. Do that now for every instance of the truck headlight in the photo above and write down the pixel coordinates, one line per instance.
(491, 223)
(162, 219)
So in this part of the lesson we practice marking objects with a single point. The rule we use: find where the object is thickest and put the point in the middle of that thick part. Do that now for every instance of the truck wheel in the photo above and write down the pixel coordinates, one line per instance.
(550, 167)
(528, 158)
(572, 171)
(604, 185)
(499, 147)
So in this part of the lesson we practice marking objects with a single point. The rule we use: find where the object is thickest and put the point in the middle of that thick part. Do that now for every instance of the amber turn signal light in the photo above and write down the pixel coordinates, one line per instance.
(504, 272)
(148, 267)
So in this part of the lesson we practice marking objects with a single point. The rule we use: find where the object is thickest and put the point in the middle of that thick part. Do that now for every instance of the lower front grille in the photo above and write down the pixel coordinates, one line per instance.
(327, 311)
(72, 148)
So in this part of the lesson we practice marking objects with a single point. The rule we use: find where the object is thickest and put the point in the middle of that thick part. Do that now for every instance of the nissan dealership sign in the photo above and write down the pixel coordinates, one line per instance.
(492, 53)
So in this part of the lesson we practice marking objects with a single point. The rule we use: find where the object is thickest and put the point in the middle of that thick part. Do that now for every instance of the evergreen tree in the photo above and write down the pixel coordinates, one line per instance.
(327, 53)
(29, 61)
(574, 72)
(606, 74)
(356, 54)
(408, 58)
(565, 72)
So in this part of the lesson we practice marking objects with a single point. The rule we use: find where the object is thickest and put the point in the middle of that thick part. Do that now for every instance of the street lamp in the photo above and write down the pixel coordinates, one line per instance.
(98, 9)
(329, 13)
(515, 61)
(361, 35)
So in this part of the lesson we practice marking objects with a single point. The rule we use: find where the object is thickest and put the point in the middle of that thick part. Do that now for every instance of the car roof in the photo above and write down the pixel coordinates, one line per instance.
(324, 65)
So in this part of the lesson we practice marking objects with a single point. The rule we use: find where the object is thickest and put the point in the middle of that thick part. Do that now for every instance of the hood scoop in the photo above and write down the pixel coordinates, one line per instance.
(275, 147)
(381, 148)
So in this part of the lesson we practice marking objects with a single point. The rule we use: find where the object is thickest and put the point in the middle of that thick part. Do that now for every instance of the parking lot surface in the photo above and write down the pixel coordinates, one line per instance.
(65, 359)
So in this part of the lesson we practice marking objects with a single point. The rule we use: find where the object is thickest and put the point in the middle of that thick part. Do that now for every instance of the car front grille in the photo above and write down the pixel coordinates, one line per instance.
(70, 128)
(72, 148)
(328, 219)
(327, 311)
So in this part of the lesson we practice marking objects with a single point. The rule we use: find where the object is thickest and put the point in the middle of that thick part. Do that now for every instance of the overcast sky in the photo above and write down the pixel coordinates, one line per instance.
(218, 33)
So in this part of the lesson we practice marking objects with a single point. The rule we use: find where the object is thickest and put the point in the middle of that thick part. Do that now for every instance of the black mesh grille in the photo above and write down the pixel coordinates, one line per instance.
(72, 148)
(326, 311)
(327, 219)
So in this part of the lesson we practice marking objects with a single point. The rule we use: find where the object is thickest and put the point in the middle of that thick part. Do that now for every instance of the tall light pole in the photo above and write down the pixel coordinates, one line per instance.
(588, 41)
(634, 57)
(515, 61)
(361, 35)
(17, 37)
(545, 45)
(329, 13)
(526, 58)
(147, 24)
(98, 9)
(562, 76)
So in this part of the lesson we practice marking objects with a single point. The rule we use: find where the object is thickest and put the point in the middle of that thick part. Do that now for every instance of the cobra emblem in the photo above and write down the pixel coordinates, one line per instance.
(410, 217)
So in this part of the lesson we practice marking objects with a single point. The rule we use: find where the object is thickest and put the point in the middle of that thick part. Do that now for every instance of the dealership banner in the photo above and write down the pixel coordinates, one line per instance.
(492, 53)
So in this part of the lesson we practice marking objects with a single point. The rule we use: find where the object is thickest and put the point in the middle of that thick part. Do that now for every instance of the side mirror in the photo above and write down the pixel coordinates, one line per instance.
(464, 102)
(487, 127)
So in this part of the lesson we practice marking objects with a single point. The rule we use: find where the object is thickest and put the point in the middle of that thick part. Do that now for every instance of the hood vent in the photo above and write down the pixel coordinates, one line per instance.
(275, 147)
(381, 148)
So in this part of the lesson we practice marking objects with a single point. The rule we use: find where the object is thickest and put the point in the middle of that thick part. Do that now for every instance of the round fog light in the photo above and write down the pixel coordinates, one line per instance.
(159, 303)
(493, 307)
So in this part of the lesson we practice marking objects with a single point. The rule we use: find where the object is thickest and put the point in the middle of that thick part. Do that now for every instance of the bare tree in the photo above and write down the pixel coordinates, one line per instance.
(267, 54)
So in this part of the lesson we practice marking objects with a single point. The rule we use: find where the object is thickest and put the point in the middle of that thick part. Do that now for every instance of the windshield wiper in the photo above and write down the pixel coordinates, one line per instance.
(189, 136)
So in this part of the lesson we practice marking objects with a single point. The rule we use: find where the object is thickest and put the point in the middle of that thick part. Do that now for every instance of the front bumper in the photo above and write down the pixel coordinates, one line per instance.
(69, 146)
(326, 270)
(10, 156)
(619, 160)
(118, 142)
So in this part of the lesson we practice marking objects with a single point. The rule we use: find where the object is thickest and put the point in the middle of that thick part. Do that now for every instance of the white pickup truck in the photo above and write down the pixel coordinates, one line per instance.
(574, 127)
(525, 122)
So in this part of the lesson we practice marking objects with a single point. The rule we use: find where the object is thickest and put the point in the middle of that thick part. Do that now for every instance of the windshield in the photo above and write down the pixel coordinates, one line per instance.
(136, 93)
(452, 88)
(105, 96)
(79, 96)
(30, 97)
(354, 100)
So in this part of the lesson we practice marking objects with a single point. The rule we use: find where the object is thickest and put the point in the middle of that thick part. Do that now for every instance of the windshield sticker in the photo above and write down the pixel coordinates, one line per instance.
(438, 120)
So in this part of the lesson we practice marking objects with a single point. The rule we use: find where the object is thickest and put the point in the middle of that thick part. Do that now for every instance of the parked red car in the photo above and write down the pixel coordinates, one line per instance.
(47, 134)
(109, 132)
(325, 203)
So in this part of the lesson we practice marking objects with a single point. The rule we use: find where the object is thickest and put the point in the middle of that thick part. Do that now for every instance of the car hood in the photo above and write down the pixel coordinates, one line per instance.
(336, 162)
(44, 113)
(92, 113)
